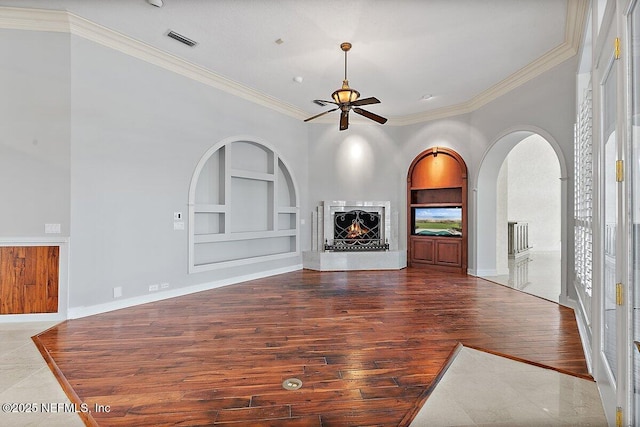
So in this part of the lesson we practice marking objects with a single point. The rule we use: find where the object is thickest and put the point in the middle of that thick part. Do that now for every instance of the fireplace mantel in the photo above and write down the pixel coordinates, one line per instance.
(323, 232)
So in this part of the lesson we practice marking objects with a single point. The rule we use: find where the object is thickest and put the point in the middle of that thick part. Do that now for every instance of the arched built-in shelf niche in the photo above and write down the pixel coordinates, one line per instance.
(437, 187)
(242, 207)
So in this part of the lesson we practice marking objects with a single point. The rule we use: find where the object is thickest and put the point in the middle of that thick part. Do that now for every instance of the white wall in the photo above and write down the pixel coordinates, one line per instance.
(502, 219)
(361, 163)
(543, 104)
(534, 191)
(105, 145)
(138, 132)
(34, 132)
(529, 190)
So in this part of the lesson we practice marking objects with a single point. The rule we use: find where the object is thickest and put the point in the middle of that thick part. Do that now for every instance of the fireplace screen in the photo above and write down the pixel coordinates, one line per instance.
(357, 230)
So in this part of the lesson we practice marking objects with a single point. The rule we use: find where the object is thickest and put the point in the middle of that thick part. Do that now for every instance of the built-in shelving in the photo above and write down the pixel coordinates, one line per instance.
(437, 179)
(243, 207)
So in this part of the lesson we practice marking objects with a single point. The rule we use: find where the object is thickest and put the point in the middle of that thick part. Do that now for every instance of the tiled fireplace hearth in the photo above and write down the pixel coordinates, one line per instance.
(354, 235)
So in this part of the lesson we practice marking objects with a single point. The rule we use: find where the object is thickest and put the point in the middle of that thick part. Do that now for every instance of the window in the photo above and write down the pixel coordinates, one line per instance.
(583, 202)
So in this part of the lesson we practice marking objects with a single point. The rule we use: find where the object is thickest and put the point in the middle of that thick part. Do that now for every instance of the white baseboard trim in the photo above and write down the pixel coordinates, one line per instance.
(32, 317)
(585, 337)
(84, 311)
(481, 273)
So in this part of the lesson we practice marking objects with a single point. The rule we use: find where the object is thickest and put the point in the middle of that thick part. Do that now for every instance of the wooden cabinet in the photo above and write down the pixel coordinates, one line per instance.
(437, 210)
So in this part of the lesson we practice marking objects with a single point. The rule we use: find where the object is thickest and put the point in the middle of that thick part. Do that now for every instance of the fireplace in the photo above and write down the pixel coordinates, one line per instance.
(357, 230)
(354, 235)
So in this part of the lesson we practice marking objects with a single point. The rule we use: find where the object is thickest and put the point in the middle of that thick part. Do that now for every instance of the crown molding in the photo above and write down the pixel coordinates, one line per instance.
(67, 22)
(63, 21)
(15, 18)
(577, 11)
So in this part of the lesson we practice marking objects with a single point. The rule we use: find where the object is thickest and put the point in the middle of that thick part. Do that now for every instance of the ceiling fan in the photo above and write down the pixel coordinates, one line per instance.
(346, 99)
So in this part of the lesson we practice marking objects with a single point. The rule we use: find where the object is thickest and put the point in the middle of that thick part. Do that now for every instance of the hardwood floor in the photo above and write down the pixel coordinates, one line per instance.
(366, 345)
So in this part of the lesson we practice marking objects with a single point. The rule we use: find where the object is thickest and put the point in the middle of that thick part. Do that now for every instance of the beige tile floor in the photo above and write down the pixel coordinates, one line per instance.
(26, 379)
(539, 275)
(480, 389)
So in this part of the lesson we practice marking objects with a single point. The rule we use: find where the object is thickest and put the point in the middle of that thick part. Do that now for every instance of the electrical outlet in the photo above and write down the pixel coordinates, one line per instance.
(154, 287)
(164, 285)
(52, 228)
(117, 292)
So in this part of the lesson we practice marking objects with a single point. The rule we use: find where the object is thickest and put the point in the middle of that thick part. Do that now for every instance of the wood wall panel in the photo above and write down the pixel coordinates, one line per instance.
(29, 279)
(439, 171)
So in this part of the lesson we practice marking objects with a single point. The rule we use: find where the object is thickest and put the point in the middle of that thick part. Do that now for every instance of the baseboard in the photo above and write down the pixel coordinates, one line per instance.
(84, 311)
(33, 317)
(585, 337)
(482, 273)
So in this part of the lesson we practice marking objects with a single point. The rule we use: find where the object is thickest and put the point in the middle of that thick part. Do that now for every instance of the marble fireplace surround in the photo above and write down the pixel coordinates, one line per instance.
(322, 230)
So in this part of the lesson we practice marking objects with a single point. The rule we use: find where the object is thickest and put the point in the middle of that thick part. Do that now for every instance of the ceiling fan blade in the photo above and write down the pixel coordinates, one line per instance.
(366, 101)
(370, 115)
(321, 114)
(344, 120)
(322, 102)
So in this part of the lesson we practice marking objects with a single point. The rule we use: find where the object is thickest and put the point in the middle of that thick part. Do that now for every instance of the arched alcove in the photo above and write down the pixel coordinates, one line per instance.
(243, 206)
(437, 210)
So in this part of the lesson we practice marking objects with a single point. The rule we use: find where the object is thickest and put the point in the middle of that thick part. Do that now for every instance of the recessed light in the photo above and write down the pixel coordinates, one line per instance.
(292, 384)
(426, 97)
(298, 79)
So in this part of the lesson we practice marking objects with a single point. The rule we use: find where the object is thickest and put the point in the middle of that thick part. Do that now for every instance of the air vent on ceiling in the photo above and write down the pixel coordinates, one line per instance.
(181, 38)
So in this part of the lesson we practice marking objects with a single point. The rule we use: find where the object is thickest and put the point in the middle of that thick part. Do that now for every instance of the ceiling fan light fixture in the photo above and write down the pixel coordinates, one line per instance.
(345, 94)
(346, 99)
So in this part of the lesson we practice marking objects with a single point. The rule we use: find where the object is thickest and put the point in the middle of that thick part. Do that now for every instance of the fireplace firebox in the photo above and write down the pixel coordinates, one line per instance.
(357, 230)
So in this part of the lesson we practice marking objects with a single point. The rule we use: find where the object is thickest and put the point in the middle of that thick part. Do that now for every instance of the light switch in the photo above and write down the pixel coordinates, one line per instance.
(177, 216)
(178, 225)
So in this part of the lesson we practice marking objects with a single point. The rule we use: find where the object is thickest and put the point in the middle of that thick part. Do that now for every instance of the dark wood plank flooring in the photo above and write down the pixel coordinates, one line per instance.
(365, 344)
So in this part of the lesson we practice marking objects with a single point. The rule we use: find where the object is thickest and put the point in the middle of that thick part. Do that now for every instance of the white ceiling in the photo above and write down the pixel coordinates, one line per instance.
(455, 50)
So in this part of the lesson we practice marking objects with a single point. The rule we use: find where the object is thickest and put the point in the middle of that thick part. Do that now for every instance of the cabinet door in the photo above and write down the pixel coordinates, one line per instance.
(449, 252)
(423, 250)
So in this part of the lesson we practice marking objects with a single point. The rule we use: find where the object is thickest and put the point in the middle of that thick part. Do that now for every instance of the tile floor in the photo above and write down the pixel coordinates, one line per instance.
(477, 389)
(480, 389)
(25, 378)
(539, 275)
